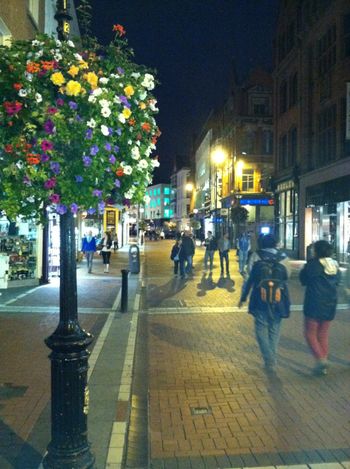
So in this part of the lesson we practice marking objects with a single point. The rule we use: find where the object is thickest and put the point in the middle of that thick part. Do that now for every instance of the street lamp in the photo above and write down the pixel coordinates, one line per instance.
(218, 157)
(69, 446)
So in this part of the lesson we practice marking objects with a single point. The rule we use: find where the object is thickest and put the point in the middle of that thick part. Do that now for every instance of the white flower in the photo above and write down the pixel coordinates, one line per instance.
(31, 198)
(22, 93)
(142, 164)
(39, 53)
(127, 169)
(138, 143)
(135, 153)
(19, 164)
(78, 57)
(155, 163)
(91, 123)
(116, 99)
(146, 199)
(92, 98)
(121, 118)
(58, 43)
(148, 81)
(152, 105)
(104, 103)
(104, 80)
(143, 95)
(57, 57)
(152, 146)
(136, 75)
(148, 151)
(106, 112)
(128, 194)
(70, 43)
(38, 97)
(28, 76)
(97, 92)
(35, 43)
(104, 130)
(129, 142)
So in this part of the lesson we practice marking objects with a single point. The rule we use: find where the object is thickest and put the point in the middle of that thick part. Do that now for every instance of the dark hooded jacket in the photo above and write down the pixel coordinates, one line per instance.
(321, 277)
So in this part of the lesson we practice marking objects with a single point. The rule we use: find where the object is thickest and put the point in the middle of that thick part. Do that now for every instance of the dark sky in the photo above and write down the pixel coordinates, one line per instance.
(192, 45)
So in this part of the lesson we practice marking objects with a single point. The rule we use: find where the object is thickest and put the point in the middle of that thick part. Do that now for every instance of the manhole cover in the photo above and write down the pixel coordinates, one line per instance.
(201, 410)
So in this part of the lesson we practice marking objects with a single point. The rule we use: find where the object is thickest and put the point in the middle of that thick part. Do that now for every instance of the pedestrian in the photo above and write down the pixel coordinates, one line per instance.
(115, 242)
(174, 256)
(224, 248)
(321, 277)
(89, 248)
(106, 250)
(243, 249)
(186, 254)
(269, 298)
(210, 248)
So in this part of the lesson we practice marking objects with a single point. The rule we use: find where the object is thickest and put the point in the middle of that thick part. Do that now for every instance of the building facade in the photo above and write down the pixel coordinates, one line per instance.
(312, 158)
(181, 193)
(158, 208)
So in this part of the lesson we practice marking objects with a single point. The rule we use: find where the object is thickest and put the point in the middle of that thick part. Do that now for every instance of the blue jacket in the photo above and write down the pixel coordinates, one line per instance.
(89, 245)
(281, 309)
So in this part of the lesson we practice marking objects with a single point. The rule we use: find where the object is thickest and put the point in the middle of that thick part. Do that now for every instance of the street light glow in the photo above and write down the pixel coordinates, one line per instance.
(218, 156)
(189, 186)
(239, 167)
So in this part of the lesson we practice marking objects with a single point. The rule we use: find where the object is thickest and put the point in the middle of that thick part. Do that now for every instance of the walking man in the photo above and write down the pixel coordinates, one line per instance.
(224, 247)
(243, 246)
(210, 248)
(89, 249)
(186, 254)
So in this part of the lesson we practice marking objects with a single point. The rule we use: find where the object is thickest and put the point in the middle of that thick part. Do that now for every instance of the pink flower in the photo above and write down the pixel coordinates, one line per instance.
(46, 145)
(50, 183)
(52, 110)
(55, 198)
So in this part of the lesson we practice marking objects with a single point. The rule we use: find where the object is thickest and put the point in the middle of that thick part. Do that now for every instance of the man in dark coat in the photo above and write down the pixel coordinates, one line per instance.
(186, 254)
(321, 276)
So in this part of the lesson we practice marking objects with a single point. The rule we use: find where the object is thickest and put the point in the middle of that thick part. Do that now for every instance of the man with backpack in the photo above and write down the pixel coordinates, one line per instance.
(269, 299)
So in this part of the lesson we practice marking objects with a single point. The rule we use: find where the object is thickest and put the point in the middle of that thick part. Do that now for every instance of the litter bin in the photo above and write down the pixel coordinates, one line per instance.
(134, 259)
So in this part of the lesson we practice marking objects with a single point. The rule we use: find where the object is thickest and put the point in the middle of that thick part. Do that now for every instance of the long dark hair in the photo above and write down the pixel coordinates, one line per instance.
(322, 249)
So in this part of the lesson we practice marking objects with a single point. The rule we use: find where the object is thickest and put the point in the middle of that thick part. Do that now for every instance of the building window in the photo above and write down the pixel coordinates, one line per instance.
(327, 134)
(293, 90)
(327, 50)
(33, 7)
(166, 190)
(166, 201)
(347, 35)
(158, 201)
(247, 180)
(293, 141)
(283, 152)
(267, 142)
(283, 97)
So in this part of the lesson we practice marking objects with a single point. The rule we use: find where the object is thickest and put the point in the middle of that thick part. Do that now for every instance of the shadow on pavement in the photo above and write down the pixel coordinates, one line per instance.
(156, 294)
(207, 283)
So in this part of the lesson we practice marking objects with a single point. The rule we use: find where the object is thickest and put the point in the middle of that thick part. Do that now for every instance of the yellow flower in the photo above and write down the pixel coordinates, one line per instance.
(73, 71)
(142, 105)
(73, 88)
(83, 64)
(129, 91)
(92, 79)
(126, 113)
(57, 78)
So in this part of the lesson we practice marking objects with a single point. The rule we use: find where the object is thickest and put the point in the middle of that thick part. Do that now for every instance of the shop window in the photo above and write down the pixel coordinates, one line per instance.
(347, 35)
(327, 51)
(247, 180)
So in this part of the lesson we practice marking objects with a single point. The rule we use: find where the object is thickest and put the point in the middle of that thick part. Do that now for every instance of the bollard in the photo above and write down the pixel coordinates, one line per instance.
(134, 259)
(124, 298)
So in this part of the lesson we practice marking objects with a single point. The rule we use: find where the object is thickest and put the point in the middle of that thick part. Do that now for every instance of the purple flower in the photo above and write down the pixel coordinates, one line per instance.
(94, 150)
(97, 193)
(73, 105)
(61, 209)
(50, 183)
(91, 211)
(55, 198)
(46, 145)
(110, 130)
(112, 159)
(87, 160)
(120, 71)
(117, 183)
(108, 146)
(127, 202)
(59, 102)
(116, 148)
(124, 100)
(74, 208)
(88, 134)
(55, 167)
(27, 181)
(78, 118)
(44, 158)
(101, 207)
(79, 179)
(119, 131)
(49, 127)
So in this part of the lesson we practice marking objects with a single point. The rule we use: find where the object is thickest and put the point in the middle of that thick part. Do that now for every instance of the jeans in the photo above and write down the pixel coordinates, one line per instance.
(224, 255)
(89, 257)
(209, 255)
(242, 260)
(316, 335)
(267, 331)
(106, 255)
(185, 269)
(176, 267)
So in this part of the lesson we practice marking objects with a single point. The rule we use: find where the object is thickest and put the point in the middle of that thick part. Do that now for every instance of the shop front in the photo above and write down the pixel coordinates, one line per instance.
(286, 213)
(20, 256)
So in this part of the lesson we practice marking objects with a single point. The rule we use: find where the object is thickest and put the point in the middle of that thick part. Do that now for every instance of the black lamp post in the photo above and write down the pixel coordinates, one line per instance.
(69, 447)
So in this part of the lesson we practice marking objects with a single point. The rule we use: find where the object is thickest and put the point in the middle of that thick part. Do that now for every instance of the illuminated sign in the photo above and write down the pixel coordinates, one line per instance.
(256, 202)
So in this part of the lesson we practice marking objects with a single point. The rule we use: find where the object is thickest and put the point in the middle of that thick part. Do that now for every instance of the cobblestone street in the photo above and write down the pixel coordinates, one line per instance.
(210, 402)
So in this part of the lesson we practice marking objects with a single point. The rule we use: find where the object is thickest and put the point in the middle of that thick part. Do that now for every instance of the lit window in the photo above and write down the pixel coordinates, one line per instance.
(247, 180)
(158, 201)
(166, 190)
(166, 201)
(166, 213)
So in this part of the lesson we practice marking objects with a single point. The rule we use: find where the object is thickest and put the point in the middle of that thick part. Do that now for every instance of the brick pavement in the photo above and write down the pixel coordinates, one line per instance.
(210, 402)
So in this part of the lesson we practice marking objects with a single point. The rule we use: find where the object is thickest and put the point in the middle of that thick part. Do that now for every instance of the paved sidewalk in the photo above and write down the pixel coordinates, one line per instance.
(211, 405)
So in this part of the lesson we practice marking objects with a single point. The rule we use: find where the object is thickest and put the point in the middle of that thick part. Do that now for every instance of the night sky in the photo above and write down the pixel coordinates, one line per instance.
(192, 45)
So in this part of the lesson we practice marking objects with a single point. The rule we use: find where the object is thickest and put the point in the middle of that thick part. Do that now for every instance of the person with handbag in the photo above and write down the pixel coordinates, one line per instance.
(89, 248)
(174, 256)
(106, 250)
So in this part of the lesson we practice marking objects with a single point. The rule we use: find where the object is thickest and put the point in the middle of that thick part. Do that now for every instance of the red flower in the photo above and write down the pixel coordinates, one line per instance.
(52, 110)
(146, 126)
(119, 172)
(12, 107)
(131, 121)
(32, 158)
(8, 148)
(17, 86)
(119, 29)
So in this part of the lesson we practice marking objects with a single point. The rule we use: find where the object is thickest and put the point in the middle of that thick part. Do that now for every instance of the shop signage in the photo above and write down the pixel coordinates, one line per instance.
(110, 217)
(347, 131)
(256, 202)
